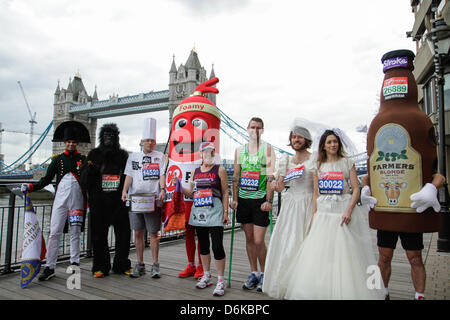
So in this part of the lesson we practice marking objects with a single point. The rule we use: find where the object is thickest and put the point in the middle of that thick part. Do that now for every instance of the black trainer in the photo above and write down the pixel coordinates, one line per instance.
(47, 274)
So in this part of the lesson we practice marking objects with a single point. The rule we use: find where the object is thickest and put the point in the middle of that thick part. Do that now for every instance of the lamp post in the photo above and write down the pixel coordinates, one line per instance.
(439, 40)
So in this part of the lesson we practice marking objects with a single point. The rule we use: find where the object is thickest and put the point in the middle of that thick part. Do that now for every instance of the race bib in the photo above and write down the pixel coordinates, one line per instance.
(110, 182)
(249, 180)
(395, 88)
(203, 198)
(331, 183)
(76, 217)
(294, 174)
(150, 171)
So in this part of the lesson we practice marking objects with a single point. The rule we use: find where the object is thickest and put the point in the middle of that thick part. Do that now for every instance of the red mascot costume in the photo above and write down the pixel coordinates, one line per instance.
(196, 119)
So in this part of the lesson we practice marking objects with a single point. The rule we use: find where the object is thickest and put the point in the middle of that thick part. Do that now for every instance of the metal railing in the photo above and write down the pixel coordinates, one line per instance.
(11, 233)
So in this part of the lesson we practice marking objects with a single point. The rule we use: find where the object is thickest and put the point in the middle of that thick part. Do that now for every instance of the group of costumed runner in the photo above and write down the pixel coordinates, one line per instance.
(320, 247)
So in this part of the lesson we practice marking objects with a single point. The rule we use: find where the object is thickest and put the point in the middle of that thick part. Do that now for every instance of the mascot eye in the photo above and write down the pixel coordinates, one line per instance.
(180, 124)
(200, 123)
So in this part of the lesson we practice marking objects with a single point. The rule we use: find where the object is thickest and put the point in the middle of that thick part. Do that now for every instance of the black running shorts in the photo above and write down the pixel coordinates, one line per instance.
(410, 241)
(249, 211)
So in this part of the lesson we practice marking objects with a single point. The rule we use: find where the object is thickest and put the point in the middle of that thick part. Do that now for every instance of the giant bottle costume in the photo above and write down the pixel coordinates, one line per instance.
(401, 147)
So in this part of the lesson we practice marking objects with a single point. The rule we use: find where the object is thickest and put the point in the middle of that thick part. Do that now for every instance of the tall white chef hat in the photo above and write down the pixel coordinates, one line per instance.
(149, 131)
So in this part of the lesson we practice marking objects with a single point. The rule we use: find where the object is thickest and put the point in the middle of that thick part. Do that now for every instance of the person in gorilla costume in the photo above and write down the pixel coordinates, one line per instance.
(103, 177)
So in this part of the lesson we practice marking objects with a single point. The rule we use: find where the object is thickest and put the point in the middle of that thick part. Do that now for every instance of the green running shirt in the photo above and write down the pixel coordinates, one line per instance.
(253, 176)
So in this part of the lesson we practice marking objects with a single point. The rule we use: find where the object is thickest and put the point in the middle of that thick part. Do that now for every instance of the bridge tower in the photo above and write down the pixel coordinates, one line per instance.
(74, 94)
(67, 102)
(184, 80)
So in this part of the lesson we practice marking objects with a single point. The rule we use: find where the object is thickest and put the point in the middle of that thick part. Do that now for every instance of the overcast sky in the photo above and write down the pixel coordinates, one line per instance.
(278, 60)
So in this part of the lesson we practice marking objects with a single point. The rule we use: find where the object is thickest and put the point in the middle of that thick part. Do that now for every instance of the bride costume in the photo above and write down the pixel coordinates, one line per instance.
(335, 262)
(292, 222)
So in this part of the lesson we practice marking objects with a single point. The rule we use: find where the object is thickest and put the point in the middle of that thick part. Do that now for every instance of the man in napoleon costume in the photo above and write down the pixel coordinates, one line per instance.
(69, 203)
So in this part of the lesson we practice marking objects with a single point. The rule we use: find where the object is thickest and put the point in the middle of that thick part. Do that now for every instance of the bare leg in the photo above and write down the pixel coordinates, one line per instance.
(154, 245)
(206, 259)
(250, 245)
(261, 250)
(384, 262)
(139, 242)
(418, 273)
(220, 266)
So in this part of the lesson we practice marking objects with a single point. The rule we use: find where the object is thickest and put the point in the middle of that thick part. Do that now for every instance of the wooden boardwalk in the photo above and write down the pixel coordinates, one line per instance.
(169, 286)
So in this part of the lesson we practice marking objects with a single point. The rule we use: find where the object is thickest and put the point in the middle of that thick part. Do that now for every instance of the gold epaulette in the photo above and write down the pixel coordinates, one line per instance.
(54, 156)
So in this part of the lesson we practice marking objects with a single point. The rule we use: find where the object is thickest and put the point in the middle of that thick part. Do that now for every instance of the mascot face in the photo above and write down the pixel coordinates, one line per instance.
(109, 136)
(191, 128)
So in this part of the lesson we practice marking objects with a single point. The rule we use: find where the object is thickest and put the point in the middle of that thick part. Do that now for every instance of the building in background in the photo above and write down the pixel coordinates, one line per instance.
(431, 32)
(424, 62)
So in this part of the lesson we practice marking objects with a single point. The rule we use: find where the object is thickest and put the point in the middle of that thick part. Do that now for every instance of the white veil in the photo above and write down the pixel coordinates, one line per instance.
(317, 129)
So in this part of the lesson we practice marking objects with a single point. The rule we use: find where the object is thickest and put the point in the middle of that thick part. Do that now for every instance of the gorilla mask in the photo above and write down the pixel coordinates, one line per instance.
(109, 136)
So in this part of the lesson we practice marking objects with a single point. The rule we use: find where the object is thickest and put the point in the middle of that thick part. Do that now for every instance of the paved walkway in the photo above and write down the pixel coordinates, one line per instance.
(170, 287)
(437, 265)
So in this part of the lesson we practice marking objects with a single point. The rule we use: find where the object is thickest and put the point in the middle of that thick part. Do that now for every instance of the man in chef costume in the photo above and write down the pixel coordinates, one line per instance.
(144, 188)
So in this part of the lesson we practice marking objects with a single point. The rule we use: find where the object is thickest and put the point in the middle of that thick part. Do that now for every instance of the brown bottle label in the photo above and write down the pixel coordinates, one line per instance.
(395, 169)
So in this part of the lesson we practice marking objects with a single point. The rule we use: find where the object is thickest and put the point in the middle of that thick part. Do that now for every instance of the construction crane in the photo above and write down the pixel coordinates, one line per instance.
(32, 120)
(2, 130)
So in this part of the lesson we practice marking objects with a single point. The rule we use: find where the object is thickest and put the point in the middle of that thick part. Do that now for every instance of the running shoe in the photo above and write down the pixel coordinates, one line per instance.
(155, 270)
(47, 274)
(99, 274)
(188, 272)
(199, 272)
(260, 283)
(251, 282)
(128, 272)
(138, 271)
(219, 291)
(204, 282)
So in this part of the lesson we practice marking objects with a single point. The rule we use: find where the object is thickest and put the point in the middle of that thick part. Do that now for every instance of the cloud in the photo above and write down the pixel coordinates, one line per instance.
(275, 59)
(213, 7)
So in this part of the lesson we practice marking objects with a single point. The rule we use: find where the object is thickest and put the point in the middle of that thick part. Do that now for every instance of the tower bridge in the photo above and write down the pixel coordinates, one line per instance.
(115, 106)
(74, 103)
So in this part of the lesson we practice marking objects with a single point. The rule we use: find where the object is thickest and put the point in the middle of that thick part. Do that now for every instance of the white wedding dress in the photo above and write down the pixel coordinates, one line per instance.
(333, 261)
(290, 228)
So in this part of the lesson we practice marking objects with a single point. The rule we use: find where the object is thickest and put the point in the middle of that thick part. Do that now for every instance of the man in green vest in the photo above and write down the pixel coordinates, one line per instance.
(254, 165)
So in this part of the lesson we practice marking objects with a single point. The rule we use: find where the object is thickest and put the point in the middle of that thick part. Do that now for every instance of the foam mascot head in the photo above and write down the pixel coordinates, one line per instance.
(196, 119)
